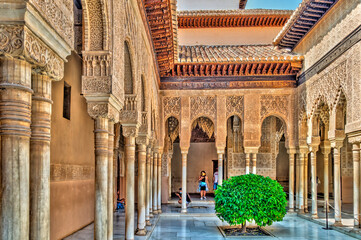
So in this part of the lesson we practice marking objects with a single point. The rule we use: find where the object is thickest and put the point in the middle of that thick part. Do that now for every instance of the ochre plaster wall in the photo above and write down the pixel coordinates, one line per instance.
(227, 36)
(200, 156)
(72, 158)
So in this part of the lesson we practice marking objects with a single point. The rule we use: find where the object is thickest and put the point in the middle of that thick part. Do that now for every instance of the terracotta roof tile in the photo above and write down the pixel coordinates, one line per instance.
(240, 53)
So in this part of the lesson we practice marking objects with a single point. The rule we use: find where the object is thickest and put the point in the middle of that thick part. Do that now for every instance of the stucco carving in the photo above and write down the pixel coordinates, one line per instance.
(106, 110)
(203, 106)
(130, 131)
(60, 15)
(274, 104)
(234, 105)
(171, 107)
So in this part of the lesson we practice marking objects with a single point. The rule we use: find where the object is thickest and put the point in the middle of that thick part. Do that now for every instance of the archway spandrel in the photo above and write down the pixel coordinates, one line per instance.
(172, 107)
(274, 104)
(235, 106)
(203, 106)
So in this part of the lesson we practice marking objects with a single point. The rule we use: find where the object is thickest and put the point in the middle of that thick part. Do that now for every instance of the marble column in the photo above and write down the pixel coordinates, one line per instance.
(110, 179)
(247, 162)
(129, 206)
(337, 185)
(159, 182)
(147, 217)
(297, 204)
(141, 230)
(254, 163)
(151, 184)
(40, 158)
(306, 182)
(291, 182)
(220, 168)
(301, 207)
(184, 181)
(101, 178)
(356, 183)
(15, 113)
(326, 152)
(170, 175)
(314, 183)
(155, 182)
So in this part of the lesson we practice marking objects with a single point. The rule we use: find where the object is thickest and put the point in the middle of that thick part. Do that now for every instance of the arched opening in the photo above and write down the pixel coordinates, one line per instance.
(273, 158)
(235, 150)
(128, 75)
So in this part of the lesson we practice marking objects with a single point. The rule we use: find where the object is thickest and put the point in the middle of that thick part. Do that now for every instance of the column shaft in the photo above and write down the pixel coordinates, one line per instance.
(247, 163)
(356, 184)
(220, 168)
(40, 158)
(291, 182)
(326, 180)
(110, 179)
(147, 218)
(155, 183)
(151, 185)
(305, 179)
(141, 189)
(101, 178)
(160, 183)
(337, 185)
(15, 112)
(254, 163)
(301, 183)
(129, 206)
(297, 177)
(184, 182)
(314, 184)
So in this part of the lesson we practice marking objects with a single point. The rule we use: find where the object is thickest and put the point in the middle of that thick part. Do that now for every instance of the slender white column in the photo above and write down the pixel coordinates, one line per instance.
(337, 185)
(326, 153)
(247, 162)
(220, 168)
(301, 208)
(129, 206)
(147, 200)
(160, 155)
(314, 183)
(291, 181)
(184, 181)
(110, 179)
(297, 177)
(155, 183)
(141, 189)
(254, 163)
(306, 182)
(356, 184)
(151, 184)
(101, 178)
(40, 158)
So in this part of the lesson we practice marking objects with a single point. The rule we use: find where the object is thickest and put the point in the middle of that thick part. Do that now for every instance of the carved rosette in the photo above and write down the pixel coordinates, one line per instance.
(203, 106)
(273, 104)
(19, 41)
(172, 107)
(234, 105)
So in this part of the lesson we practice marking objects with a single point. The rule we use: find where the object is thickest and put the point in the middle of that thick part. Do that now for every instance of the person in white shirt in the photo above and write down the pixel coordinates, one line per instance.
(215, 179)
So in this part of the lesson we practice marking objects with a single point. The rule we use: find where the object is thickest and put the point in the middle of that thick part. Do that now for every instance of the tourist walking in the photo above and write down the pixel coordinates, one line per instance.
(203, 184)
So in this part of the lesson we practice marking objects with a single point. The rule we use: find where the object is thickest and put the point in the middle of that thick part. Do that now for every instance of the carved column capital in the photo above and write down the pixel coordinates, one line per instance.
(142, 140)
(130, 131)
(104, 110)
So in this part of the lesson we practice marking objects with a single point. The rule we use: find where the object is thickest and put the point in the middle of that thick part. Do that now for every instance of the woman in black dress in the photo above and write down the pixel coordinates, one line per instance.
(203, 184)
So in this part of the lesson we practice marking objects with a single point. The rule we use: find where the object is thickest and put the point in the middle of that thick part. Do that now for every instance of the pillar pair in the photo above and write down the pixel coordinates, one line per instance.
(251, 157)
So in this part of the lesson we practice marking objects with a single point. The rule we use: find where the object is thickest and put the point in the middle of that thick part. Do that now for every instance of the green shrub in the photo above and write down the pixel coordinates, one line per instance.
(250, 197)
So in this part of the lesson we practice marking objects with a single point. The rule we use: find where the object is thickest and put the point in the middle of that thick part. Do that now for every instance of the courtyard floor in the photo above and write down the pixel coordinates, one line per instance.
(202, 223)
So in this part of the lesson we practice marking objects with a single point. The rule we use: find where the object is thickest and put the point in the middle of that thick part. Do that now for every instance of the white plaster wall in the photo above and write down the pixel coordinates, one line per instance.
(207, 4)
(227, 36)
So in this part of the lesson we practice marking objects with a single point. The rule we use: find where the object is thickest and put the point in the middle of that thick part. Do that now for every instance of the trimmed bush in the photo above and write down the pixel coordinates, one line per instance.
(250, 197)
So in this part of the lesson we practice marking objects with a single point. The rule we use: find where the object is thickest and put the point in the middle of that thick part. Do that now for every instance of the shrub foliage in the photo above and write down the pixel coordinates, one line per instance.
(250, 197)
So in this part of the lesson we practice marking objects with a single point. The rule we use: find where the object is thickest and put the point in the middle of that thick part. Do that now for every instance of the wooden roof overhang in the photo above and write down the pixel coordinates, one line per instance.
(256, 74)
(242, 4)
(233, 18)
(305, 17)
(161, 16)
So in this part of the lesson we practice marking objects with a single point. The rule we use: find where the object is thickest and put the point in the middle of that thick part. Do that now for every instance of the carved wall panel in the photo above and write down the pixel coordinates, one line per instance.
(234, 105)
(204, 106)
(171, 107)
(274, 104)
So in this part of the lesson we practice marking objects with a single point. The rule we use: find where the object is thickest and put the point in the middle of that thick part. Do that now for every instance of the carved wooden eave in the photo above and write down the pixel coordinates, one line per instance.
(242, 4)
(161, 16)
(305, 17)
(233, 18)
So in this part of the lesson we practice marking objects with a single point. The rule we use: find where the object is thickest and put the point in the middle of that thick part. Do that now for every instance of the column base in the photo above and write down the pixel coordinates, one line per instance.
(338, 224)
(314, 216)
(155, 212)
(184, 211)
(159, 211)
(324, 210)
(151, 215)
(141, 232)
(306, 210)
(291, 210)
(301, 211)
(147, 223)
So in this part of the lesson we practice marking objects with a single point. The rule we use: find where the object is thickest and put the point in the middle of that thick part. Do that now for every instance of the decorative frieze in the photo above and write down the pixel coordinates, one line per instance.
(234, 105)
(171, 107)
(273, 104)
(205, 106)
(64, 172)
